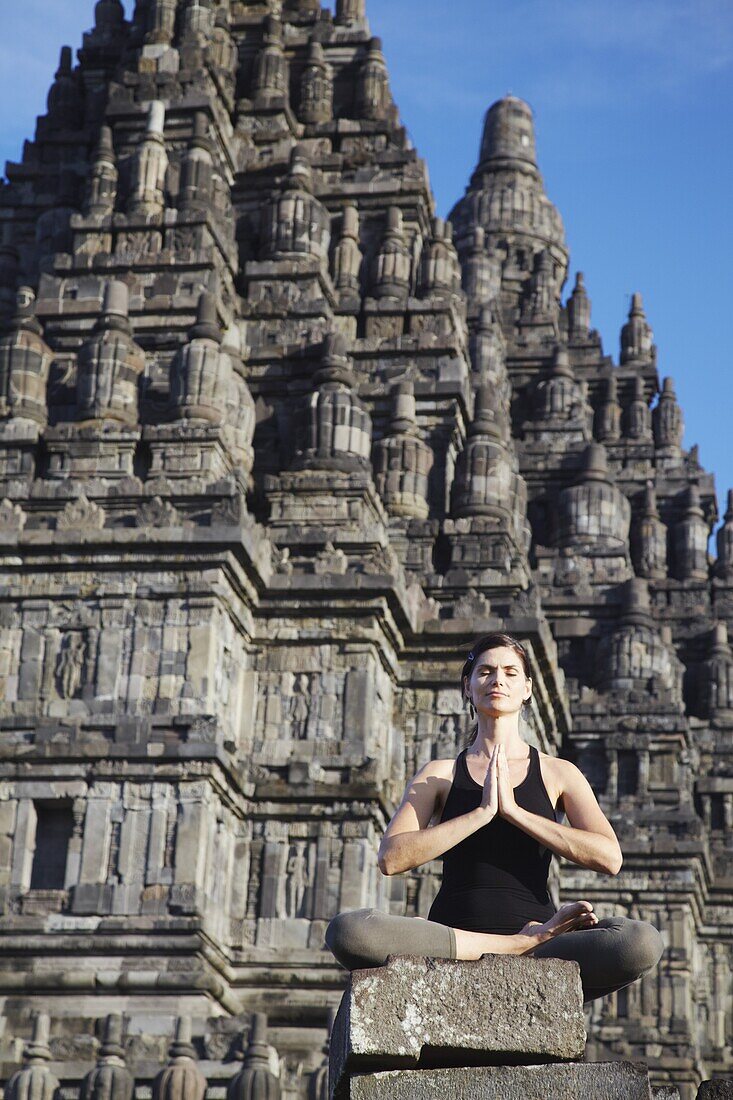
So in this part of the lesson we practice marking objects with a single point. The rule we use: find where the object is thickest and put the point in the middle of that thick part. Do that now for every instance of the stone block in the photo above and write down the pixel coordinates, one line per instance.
(91, 898)
(440, 1012)
(720, 1089)
(576, 1081)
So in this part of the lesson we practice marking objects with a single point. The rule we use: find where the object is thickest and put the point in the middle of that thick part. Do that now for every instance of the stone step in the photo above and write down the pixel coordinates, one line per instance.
(576, 1081)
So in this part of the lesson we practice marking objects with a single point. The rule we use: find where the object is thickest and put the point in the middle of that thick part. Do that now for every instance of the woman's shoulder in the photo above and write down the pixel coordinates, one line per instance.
(559, 770)
(443, 768)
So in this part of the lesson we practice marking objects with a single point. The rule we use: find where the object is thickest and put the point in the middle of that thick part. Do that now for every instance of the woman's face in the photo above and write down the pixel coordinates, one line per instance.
(497, 685)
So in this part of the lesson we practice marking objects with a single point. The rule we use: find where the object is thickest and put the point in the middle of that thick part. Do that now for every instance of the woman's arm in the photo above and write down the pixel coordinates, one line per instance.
(410, 840)
(588, 840)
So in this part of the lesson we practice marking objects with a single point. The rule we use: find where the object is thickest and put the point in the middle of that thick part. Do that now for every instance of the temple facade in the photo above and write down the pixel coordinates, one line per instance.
(276, 443)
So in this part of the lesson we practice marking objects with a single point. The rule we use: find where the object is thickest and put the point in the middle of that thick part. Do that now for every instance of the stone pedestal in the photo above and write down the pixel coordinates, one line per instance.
(492, 1029)
(415, 1012)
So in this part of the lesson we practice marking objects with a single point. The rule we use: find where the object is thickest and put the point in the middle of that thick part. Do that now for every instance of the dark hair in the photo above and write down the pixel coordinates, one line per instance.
(495, 641)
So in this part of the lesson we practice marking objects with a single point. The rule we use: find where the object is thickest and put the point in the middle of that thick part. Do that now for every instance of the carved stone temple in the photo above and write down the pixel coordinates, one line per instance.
(276, 443)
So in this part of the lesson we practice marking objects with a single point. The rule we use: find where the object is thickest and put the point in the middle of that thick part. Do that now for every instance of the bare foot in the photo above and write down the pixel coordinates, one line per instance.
(569, 918)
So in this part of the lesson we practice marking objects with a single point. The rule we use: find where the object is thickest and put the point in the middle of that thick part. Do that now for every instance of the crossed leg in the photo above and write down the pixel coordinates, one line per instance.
(611, 953)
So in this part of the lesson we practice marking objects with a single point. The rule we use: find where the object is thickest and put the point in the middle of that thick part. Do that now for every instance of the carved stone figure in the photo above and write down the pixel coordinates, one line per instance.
(70, 665)
(300, 706)
(298, 880)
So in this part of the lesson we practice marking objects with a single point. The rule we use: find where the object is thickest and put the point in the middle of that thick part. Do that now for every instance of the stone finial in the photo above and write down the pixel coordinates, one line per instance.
(335, 363)
(634, 655)
(223, 51)
(318, 1084)
(206, 326)
(156, 118)
(541, 296)
(110, 1079)
(638, 417)
(607, 426)
(271, 71)
(347, 257)
(255, 1080)
(667, 419)
(316, 87)
(64, 97)
(506, 198)
(116, 300)
(350, 11)
(149, 167)
(335, 428)
(110, 363)
(34, 1081)
(487, 481)
(579, 310)
(109, 18)
(197, 23)
(201, 372)
(649, 539)
(9, 268)
(724, 540)
(636, 604)
(241, 414)
(295, 223)
(594, 512)
(181, 1079)
(402, 460)
(101, 191)
(393, 262)
(559, 397)
(716, 687)
(480, 269)
(161, 22)
(300, 173)
(487, 345)
(509, 132)
(25, 361)
(690, 539)
(440, 272)
(637, 339)
(404, 412)
(372, 86)
(197, 168)
(594, 465)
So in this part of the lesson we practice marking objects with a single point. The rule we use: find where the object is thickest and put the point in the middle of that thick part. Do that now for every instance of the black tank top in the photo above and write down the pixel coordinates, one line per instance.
(495, 880)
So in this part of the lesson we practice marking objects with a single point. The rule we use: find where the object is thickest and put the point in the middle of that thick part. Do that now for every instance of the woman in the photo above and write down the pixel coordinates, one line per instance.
(492, 815)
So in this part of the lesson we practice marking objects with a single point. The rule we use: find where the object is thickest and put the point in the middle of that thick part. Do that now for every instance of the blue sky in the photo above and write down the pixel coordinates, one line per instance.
(633, 102)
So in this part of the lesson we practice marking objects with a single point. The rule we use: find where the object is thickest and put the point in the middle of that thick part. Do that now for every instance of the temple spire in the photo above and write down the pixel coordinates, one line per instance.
(509, 132)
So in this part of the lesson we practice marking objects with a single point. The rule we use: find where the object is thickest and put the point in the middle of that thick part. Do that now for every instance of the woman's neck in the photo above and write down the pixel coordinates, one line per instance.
(502, 730)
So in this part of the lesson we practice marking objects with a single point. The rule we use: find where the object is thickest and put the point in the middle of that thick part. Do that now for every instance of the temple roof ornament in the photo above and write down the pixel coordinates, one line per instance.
(594, 512)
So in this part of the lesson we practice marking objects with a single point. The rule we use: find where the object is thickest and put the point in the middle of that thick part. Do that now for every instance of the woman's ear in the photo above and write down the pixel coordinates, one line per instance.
(528, 690)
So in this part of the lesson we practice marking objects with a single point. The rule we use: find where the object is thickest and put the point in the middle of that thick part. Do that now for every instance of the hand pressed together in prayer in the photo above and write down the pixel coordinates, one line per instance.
(507, 803)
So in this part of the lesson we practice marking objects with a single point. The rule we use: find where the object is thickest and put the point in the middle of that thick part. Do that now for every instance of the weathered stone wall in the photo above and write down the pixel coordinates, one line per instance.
(275, 444)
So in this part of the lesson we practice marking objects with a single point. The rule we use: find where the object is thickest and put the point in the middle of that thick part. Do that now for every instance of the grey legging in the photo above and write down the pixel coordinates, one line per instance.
(614, 953)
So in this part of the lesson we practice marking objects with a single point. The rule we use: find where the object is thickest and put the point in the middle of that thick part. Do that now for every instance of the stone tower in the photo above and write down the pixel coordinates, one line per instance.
(275, 444)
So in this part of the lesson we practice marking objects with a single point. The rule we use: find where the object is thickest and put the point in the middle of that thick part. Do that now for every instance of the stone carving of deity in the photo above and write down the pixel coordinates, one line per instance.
(70, 665)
